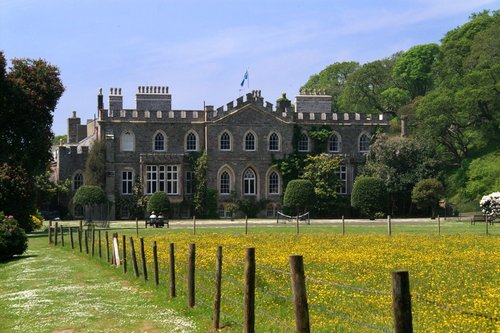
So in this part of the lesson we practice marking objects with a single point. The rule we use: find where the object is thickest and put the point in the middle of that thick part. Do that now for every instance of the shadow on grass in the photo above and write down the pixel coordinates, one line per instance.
(17, 258)
(38, 234)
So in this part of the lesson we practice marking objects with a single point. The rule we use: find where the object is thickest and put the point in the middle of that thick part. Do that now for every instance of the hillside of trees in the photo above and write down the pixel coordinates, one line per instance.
(449, 96)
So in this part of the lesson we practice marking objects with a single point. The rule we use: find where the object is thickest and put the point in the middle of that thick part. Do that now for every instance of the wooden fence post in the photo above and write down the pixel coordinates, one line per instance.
(190, 275)
(50, 233)
(99, 243)
(155, 263)
(299, 294)
(134, 257)
(62, 235)
(172, 271)
(401, 302)
(93, 240)
(56, 232)
(249, 306)
(389, 225)
(343, 225)
(81, 225)
(194, 225)
(439, 225)
(107, 246)
(218, 286)
(80, 239)
(297, 223)
(71, 241)
(246, 224)
(486, 223)
(137, 226)
(86, 241)
(124, 253)
(143, 258)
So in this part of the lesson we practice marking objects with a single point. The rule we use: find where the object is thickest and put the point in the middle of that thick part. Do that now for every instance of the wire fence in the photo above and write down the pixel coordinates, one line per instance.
(355, 306)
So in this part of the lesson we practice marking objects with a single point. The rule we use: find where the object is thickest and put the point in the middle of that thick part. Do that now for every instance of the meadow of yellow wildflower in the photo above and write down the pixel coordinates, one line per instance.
(454, 279)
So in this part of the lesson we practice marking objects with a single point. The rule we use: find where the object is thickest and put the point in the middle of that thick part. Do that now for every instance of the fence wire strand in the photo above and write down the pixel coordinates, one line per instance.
(455, 308)
(351, 320)
(344, 286)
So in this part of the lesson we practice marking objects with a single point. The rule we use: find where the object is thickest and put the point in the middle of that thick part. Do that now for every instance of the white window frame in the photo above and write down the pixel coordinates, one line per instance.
(364, 144)
(127, 181)
(77, 180)
(342, 174)
(249, 182)
(273, 184)
(225, 184)
(250, 141)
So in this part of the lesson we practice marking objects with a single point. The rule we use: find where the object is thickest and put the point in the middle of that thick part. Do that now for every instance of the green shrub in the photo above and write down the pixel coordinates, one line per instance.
(251, 207)
(159, 203)
(369, 195)
(88, 195)
(13, 240)
(299, 195)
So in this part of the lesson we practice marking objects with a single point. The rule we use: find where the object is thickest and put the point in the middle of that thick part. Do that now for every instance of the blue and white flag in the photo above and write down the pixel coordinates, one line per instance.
(245, 77)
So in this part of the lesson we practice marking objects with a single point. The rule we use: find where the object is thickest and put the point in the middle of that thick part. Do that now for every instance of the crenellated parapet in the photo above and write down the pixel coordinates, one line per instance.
(152, 115)
(343, 119)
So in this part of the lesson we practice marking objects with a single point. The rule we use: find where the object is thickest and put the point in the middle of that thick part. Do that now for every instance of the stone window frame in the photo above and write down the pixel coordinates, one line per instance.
(230, 172)
(165, 141)
(336, 135)
(230, 140)
(302, 142)
(123, 142)
(364, 142)
(270, 172)
(278, 138)
(77, 179)
(187, 142)
(247, 141)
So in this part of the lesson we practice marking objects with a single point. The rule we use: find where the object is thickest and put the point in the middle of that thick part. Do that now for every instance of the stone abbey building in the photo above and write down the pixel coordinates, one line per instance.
(243, 139)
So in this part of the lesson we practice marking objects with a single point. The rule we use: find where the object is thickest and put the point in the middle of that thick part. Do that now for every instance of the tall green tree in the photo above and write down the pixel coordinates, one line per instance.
(364, 87)
(413, 69)
(95, 165)
(333, 80)
(323, 172)
(401, 162)
(29, 91)
(427, 193)
(463, 113)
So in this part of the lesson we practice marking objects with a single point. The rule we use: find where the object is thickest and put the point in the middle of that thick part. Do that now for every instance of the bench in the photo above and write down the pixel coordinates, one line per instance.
(157, 223)
(478, 218)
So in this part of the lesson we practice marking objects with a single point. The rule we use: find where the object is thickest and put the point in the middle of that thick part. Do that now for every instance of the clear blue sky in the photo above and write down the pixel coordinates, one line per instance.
(201, 49)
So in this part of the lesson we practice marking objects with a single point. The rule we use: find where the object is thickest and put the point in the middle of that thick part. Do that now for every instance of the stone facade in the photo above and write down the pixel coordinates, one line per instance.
(242, 141)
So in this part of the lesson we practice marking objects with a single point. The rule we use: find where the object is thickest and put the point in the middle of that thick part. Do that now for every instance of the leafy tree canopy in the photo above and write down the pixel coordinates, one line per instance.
(333, 79)
(95, 165)
(427, 193)
(29, 92)
(412, 70)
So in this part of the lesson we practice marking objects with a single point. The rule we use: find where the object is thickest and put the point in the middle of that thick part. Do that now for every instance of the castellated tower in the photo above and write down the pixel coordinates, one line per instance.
(153, 98)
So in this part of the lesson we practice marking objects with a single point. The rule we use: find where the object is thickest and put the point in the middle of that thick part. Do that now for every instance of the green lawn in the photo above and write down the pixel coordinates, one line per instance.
(56, 289)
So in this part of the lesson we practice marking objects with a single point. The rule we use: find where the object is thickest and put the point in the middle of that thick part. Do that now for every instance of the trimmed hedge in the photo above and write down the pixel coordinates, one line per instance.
(299, 195)
(369, 195)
